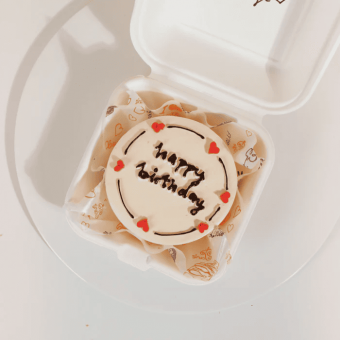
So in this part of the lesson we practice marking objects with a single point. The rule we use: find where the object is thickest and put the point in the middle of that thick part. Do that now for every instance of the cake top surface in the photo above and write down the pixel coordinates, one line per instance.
(171, 180)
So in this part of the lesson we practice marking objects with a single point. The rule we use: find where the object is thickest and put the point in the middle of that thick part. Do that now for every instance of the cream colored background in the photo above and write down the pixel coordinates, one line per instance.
(41, 299)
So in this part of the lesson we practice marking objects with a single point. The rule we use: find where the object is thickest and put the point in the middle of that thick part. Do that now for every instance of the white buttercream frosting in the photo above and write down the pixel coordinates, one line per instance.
(171, 218)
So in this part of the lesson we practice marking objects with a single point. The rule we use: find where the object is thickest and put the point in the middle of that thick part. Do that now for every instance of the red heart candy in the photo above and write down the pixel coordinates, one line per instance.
(143, 224)
(213, 148)
(119, 166)
(225, 197)
(202, 227)
(157, 127)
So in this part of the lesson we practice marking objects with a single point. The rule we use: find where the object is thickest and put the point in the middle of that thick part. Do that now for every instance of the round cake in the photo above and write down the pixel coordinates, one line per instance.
(171, 180)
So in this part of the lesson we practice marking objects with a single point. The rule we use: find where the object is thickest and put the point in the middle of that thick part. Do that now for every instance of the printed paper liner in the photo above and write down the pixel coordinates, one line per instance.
(90, 215)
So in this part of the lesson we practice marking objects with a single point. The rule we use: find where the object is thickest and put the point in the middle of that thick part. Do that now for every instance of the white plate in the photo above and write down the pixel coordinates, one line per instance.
(64, 96)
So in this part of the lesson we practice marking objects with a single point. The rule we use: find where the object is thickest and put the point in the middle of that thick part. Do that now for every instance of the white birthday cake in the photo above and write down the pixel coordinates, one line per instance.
(171, 180)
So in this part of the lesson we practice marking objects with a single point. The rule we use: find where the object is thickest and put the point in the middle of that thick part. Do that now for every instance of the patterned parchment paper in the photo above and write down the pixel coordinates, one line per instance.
(90, 214)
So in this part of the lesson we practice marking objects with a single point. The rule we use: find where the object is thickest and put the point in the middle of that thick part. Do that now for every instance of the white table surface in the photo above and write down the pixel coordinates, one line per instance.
(40, 298)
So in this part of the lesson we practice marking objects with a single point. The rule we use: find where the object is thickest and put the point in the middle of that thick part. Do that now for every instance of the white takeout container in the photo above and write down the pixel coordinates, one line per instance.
(235, 58)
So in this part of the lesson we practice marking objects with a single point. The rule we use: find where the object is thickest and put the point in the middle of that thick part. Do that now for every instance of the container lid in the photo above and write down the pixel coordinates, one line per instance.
(262, 56)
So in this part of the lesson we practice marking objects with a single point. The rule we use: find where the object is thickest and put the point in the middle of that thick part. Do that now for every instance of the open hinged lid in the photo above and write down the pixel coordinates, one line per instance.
(262, 59)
